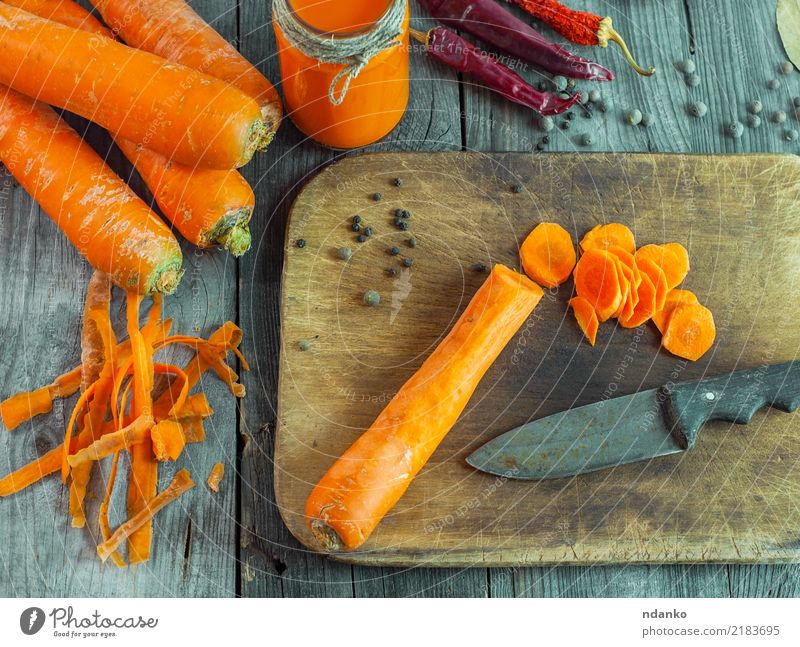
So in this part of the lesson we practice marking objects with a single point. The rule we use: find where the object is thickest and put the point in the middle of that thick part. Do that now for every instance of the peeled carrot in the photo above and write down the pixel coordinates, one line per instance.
(645, 305)
(690, 331)
(586, 317)
(209, 207)
(65, 12)
(657, 276)
(604, 236)
(102, 217)
(597, 281)
(674, 298)
(183, 114)
(171, 29)
(548, 254)
(673, 259)
(371, 476)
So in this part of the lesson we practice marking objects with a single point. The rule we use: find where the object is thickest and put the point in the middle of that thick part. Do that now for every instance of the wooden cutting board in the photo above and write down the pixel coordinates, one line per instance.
(734, 498)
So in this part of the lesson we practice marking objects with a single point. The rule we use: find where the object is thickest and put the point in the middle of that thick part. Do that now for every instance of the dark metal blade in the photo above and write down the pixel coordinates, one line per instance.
(585, 439)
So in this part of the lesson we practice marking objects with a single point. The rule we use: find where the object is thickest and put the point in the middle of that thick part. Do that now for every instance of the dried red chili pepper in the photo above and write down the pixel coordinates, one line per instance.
(499, 28)
(580, 27)
(452, 50)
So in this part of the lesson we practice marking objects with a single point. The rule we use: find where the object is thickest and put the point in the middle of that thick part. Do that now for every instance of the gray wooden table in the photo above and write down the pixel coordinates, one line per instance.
(235, 543)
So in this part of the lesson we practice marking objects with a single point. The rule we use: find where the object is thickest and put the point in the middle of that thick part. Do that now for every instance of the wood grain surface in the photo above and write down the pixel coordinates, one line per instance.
(731, 499)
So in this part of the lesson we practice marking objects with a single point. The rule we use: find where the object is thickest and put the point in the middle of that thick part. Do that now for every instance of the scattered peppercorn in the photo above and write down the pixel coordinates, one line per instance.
(304, 344)
(796, 102)
(692, 80)
(586, 139)
(377, 197)
(560, 83)
(541, 85)
(412, 242)
(355, 226)
(479, 267)
(698, 109)
(602, 106)
(408, 262)
(398, 213)
(397, 181)
(546, 140)
(394, 251)
(345, 253)
(539, 146)
(391, 271)
(403, 225)
(564, 125)
(406, 213)
(735, 129)
(546, 123)
(786, 68)
(634, 117)
(301, 242)
(686, 66)
(357, 220)
(516, 188)
(753, 121)
(754, 107)
(778, 117)
(361, 238)
(594, 96)
(773, 84)
(570, 116)
(368, 231)
(790, 135)
(647, 119)
(372, 298)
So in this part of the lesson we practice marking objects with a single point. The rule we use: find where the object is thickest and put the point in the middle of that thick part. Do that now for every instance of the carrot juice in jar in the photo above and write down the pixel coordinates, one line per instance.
(344, 67)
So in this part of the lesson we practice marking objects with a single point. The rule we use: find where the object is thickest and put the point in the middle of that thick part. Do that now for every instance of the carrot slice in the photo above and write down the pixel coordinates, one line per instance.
(690, 331)
(144, 518)
(625, 275)
(597, 281)
(586, 317)
(657, 276)
(645, 306)
(674, 298)
(548, 254)
(216, 476)
(673, 260)
(604, 236)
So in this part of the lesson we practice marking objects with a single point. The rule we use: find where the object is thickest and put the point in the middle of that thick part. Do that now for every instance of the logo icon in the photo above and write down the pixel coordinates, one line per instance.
(31, 621)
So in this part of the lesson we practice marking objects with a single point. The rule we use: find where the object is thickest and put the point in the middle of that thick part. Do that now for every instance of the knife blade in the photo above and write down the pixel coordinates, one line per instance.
(637, 427)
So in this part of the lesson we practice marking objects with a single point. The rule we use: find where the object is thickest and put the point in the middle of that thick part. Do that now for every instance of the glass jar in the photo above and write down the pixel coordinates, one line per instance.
(372, 101)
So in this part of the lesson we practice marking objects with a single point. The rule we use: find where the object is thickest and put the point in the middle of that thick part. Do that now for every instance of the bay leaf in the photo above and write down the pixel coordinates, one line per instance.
(788, 17)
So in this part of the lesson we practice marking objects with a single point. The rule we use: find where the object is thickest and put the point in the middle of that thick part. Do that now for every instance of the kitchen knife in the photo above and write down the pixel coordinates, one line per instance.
(636, 427)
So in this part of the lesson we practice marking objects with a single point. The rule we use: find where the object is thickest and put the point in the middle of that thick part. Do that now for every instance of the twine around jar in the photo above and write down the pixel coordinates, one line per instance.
(353, 53)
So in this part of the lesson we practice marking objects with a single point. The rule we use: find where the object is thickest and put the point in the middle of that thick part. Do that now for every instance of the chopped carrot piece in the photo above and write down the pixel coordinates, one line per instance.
(657, 276)
(645, 306)
(586, 317)
(597, 281)
(604, 236)
(215, 477)
(548, 254)
(674, 298)
(168, 440)
(690, 331)
(180, 484)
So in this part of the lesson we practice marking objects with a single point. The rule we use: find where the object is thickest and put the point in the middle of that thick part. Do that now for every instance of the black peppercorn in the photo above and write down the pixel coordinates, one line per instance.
(301, 242)
(357, 219)
(398, 213)
(403, 226)
(479, 267)
(408, 262)
(397, 181)
(355, 227)
(368, 231)
(570, 116)
(394, 251)
(412, 242)
(546, 139)
(539, 146)
(516, 188)
(391, 271)
(564, 125)
(377, 197)
(361, 238)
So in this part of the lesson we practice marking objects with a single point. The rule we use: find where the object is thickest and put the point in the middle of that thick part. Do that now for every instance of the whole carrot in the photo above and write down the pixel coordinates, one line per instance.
(183, 114)
(101, 216)
(171, 29)
(371, 476)
(209, 207)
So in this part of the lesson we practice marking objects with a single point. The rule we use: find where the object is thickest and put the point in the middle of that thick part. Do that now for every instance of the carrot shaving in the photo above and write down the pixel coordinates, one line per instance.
(216, 476)
(31, 473)
(168, 440)
(22, 407)
(144, 517)
(102, 517)
(133, 434)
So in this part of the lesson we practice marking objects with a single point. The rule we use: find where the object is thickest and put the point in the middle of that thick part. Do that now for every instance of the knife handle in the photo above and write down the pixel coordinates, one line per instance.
(734, 397)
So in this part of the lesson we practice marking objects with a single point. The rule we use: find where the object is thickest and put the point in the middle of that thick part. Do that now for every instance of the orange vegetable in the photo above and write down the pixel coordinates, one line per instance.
(22, 407)
(371, 476)
(586, 317)
(171, 29)
(548, 255)
(674, 298)
(168, 440)
(187, 116)
(604, 236)
(657, 276)
(133, 434)
(597, 281)
(209, 207)
(690, 331)
(144, 517)
(645, 305)
(101, 216)
(673, 259)
(215, 477)
(34, 471)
